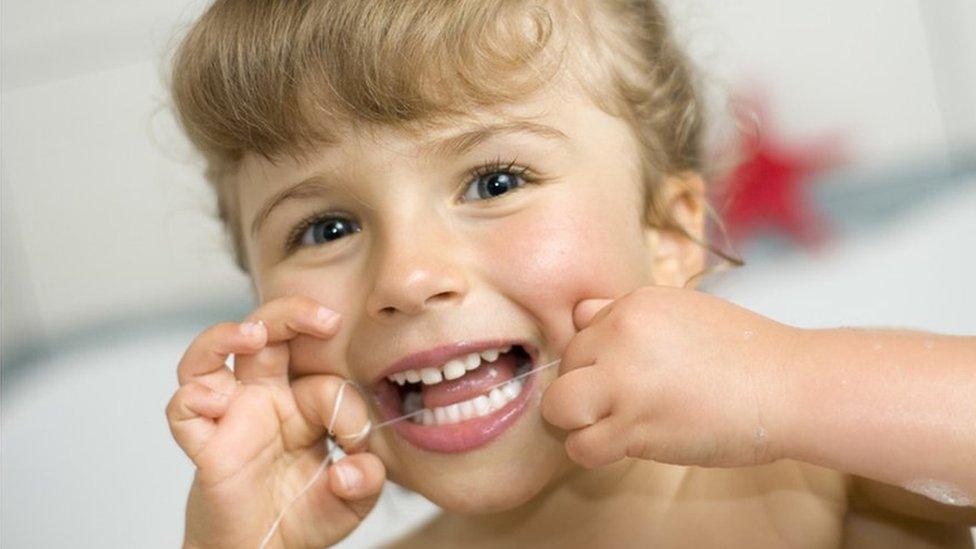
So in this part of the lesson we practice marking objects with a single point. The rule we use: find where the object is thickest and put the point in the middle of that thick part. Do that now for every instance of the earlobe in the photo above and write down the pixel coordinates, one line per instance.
(677, 244)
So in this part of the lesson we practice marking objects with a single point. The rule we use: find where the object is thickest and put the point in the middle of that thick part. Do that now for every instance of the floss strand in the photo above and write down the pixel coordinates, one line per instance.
(331, 446)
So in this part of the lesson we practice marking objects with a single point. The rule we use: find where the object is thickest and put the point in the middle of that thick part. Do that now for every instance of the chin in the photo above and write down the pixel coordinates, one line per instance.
(506, 483)
(500, 476)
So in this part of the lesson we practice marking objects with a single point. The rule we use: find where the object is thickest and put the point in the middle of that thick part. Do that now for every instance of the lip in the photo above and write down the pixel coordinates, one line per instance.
(438, 356)
(458, 437)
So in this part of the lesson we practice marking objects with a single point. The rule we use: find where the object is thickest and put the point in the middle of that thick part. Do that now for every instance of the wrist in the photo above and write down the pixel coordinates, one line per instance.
(789, 401)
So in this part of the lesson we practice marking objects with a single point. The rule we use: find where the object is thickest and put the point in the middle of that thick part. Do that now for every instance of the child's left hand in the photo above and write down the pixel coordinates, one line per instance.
(674, 376)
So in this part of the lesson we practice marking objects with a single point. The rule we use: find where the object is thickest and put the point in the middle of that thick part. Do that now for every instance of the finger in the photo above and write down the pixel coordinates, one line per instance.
(321, 407)
(207, 354)
(581, 351)
(597, 445)
(585, 312)
(287, 317)
(269, 364)
(577, 399)
(341, 499)
(191, 414)
(358, 480)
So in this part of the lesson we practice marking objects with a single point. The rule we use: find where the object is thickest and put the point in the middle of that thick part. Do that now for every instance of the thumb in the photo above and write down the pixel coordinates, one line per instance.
(358, 480)
(335, 508)
(586, 310)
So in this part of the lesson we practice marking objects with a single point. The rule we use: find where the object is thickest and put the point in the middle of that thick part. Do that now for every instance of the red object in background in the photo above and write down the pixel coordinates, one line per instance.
(768, 188)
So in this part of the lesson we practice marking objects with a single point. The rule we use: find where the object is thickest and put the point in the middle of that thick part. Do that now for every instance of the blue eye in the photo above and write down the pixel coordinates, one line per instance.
(493, 184)
(320, 229)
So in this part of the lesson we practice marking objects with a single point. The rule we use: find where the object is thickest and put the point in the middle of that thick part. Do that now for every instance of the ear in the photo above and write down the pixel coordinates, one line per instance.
(677, 252)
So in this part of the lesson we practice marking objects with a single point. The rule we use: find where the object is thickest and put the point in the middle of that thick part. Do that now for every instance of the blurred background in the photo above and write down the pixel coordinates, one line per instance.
(856, 206)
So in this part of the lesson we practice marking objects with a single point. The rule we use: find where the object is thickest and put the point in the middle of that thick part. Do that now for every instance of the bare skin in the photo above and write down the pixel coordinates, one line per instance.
(675, 418)
(798, 504)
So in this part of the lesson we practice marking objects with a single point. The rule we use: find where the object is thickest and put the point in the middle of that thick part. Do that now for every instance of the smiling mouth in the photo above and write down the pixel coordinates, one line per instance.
(467, 387)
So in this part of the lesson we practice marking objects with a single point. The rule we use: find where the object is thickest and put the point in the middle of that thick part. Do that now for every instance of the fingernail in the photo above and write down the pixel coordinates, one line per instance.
(349, 476)
(251, 328)
(326, 316)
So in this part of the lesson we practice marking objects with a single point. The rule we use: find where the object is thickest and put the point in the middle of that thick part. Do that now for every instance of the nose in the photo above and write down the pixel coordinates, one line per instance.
(416, 270)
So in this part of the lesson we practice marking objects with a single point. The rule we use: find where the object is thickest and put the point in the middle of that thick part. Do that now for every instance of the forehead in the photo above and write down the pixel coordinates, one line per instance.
(557, 113)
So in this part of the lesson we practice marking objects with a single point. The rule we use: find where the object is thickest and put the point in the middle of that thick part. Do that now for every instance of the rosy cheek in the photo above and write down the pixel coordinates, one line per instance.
(309, 354)
(558, 255)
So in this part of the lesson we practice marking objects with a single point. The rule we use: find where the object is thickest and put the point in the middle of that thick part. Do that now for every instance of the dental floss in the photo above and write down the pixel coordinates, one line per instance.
(495, 386)
(331, 446)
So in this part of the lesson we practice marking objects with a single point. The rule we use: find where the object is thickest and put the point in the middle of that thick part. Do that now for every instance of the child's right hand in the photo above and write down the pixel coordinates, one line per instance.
(256, 437)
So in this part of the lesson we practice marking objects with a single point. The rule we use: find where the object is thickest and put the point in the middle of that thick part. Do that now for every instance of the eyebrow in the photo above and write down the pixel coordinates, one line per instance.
(455, 144)
(467, 140)
(307, 188)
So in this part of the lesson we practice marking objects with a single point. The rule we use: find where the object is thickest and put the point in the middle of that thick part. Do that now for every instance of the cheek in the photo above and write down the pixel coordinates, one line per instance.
(312, 355)
(565, 252)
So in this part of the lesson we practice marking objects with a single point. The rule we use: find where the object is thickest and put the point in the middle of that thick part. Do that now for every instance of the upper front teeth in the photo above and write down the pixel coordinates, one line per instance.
(452, 369)
(427, 375)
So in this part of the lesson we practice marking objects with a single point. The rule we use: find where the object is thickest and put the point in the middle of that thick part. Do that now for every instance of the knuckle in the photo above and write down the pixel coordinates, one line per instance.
(573, 351)
(317, 398)
(171, 407)
(264, 359)
(623, 323)
(176, 402)
(214, 337)
(219, 331)
(578, 450)
(633, 319)
(551, 406)
(640, 445)
(330, 387)
(305, 306)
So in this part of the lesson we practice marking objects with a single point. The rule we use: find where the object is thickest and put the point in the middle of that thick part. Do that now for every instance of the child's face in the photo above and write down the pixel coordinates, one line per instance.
(415, 258)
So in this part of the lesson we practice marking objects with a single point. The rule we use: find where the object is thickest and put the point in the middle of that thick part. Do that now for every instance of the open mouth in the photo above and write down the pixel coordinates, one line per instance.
(467, 387)
(463, 402)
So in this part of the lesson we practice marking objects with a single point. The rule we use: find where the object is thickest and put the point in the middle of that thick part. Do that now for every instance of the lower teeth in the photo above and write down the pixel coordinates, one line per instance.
(479, 406)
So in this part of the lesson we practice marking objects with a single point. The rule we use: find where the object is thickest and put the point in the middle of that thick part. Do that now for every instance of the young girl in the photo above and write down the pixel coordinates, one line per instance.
(433, 198)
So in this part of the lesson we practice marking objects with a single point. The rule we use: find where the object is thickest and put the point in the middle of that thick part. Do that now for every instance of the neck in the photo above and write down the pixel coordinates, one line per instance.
(628, 498)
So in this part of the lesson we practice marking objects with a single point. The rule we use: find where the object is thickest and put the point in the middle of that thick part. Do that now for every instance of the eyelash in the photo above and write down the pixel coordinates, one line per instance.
(494, 166)
(293, 241)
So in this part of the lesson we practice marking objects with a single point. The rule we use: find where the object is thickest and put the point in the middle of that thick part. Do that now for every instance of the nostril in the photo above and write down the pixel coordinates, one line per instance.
(416, 308)
(413, 292)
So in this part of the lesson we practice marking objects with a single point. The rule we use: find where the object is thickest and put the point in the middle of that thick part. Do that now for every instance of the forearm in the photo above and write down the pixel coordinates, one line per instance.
(897, 407)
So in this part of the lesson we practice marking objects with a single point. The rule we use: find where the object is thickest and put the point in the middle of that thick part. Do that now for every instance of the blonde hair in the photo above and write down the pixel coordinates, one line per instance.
(278, 77)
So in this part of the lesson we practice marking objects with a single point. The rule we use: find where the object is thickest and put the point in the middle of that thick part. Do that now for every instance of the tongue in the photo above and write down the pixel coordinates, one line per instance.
(474, 383)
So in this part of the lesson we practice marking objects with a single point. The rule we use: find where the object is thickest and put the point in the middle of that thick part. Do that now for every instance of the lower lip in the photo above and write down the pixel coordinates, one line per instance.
(468, 434)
